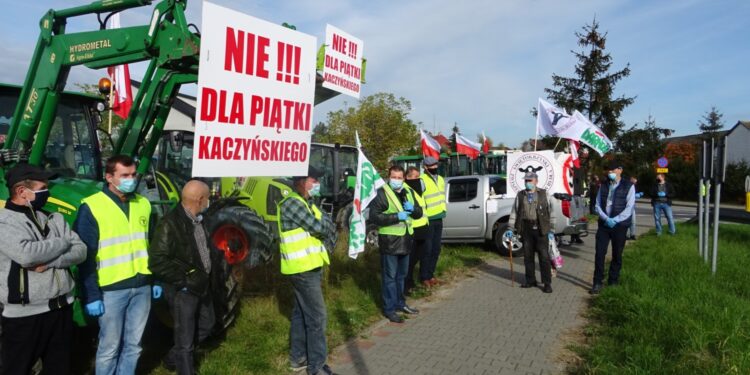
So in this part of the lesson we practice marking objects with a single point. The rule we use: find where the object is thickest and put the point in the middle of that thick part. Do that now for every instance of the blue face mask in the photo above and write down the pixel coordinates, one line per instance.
(612, 176)
(314, 191)
(127, 185)
(529, 186)
(396, 184)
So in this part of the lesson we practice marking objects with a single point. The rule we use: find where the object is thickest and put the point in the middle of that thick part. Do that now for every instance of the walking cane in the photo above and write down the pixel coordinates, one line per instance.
(512, 274)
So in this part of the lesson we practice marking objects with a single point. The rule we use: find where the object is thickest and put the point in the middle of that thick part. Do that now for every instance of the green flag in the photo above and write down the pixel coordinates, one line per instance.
(368, 183)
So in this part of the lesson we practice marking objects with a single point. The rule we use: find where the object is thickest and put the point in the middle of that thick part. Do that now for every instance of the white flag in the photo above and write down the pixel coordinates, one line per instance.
(366, 189)
(555, 122)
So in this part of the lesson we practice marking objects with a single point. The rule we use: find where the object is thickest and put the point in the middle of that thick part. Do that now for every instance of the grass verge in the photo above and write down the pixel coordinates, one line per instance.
(670, 315)
(258, 341)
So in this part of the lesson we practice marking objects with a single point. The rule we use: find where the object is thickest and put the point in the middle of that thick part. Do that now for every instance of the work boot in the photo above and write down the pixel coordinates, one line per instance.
(596, 289)
(528, 285)
(547, 288)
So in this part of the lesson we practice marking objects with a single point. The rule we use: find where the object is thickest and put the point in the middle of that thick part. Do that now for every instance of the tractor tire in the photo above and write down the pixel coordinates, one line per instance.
(343, 217)
(245, 242)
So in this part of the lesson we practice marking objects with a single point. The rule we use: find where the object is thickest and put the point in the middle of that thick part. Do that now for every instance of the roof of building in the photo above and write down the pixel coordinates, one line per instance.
(697, 138)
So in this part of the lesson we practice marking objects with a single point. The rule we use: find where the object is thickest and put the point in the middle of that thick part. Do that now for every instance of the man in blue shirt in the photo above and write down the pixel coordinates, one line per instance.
(614, 205)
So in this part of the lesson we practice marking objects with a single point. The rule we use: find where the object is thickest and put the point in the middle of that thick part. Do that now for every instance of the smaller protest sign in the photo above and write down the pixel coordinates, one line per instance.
(342, 70)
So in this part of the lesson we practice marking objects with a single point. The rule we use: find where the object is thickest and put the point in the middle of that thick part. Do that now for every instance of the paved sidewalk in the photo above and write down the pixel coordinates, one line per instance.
(481, 325)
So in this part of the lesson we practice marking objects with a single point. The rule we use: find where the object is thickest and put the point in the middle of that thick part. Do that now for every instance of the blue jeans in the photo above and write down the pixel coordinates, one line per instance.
(120, 330)
(307, 335)
(394, 269)
(658, 208)
(432, 250)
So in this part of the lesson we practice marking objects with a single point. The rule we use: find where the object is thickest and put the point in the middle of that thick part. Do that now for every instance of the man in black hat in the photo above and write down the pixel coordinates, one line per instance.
(306, 236)
(614, 205)
(533, 218)
(36, 287)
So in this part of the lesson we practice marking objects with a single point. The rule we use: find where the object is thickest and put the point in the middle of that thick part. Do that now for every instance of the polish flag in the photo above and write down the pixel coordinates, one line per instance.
(467, 147)
(122, 94)
(485, 144)
(430, 147)
(574, 145)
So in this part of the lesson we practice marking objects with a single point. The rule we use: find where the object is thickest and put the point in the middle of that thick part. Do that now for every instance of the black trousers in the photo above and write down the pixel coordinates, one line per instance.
(417, 255)
(536, 243)
(604, 236)
(194, 320)
(47, 336)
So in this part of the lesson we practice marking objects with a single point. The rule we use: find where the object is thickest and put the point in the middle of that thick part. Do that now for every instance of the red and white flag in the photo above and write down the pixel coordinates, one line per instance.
(430, 147)
(485, 144)
(574, 152)
(467, 147)
(122, 94)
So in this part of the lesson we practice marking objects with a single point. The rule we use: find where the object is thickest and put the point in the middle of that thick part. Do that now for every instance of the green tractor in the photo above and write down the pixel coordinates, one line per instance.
(455, 164)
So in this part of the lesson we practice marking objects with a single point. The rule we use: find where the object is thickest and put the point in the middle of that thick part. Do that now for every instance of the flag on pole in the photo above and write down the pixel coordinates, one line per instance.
(122, 94)
(573, 145)
(430, 147)
(485, 144)
(467, 147)
(365, 190)
(554, 121)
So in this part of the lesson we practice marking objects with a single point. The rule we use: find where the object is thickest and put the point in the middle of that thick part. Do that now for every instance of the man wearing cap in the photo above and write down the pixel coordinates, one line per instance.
(113, 224)
(614, 205)
(533, 218)
(306, 237)
(435, 210)
(36, 250)
(393, 211)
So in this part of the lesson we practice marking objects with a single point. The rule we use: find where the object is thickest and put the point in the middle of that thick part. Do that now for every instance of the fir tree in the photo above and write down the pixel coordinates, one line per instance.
(711, 123)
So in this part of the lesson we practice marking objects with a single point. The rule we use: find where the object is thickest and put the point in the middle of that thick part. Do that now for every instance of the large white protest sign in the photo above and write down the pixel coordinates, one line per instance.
(342, 70)
(256, 92)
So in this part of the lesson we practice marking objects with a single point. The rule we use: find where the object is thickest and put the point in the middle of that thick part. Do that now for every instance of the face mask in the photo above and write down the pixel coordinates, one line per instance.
(40, 199)
(314, 191)
(612, 176)
(529, 186)
(396, 184)
(127, 185)
(415, 184)
(431, 171)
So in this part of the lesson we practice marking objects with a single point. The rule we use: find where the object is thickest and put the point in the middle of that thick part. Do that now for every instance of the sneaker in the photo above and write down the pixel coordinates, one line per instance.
(395, 318)
(325, 370)
(409, 310)
(297, 366)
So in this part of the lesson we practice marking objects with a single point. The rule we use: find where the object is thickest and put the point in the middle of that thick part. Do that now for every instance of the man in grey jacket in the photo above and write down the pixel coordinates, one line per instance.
(36, 286)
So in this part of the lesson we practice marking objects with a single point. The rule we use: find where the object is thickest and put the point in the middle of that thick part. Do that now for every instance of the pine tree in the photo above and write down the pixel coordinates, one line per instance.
(711, 123)
(591, 90)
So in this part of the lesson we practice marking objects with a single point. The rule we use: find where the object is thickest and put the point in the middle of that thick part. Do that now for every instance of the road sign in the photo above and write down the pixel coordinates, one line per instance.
(662, 170)
(662, 162)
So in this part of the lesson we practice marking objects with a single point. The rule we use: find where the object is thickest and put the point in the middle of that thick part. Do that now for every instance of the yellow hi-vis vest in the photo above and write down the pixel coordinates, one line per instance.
(300, 252)
(394, 206)
(434, 195)
(123, 241)
(422, 221)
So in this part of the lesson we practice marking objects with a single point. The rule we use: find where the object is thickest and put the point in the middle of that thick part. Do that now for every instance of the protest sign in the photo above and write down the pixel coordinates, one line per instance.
(256, 92)
(342, 70)
(543, 163)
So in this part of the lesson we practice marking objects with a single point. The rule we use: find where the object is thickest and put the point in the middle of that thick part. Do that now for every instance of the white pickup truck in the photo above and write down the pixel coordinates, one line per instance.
(478, 211)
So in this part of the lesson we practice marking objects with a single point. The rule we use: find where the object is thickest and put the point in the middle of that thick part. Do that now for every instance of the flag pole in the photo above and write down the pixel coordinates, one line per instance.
(556, 144)
(111, 91)
(536, 136)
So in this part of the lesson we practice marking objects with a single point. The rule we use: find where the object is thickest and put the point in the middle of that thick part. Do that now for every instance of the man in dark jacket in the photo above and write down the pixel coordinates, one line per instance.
(614, 204)
(392, 211)
(181, 258)
(421, 229)
(661, 199)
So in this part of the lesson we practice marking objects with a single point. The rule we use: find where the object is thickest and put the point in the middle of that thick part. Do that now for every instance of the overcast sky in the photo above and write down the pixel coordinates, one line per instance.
(483, 64)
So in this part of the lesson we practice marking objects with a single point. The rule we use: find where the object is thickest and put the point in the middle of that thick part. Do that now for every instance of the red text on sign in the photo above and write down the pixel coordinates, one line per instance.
(339, 44)
(234, 148)
(241, 109)
(246, 51)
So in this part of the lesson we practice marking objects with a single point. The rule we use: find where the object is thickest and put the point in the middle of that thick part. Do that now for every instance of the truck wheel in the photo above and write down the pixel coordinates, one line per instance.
(500, 246)
(245, 241)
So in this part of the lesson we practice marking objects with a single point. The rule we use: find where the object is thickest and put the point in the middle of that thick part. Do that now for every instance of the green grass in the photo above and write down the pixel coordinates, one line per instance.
(670, 315)
(257, 343)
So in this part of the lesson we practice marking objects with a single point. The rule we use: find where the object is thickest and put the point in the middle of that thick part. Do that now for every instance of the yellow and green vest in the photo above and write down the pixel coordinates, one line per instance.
(434, 195)
(422, 221)
(300, 251)
(123, 241)
(394, 206)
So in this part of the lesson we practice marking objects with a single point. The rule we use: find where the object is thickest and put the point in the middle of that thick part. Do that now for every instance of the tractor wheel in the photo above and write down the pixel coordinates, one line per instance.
(343, 217)
(245, 241)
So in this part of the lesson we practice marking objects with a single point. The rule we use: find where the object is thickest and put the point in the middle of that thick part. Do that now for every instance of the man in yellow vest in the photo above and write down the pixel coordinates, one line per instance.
(421, 228)
(393, 211)
(306, 236)
(117, 289)
(434, 197)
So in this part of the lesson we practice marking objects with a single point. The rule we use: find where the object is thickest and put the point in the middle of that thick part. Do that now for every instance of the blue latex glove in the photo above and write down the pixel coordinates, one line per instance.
(508, 234)
(662, 194)
(156, 291)
(408, 206)
(611, 223)
(639, 195)
(403, 215)
(551, 236)
(95, 308)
